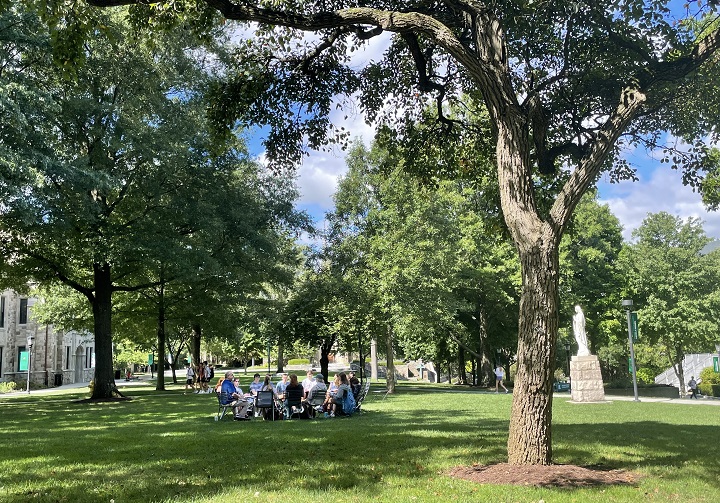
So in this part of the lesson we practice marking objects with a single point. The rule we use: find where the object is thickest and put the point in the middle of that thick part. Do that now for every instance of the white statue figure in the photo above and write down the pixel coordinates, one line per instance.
(579, 332)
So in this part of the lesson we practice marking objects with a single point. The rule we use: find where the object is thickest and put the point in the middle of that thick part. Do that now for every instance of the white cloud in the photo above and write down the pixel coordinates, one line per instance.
(658, 190)
(320, 171)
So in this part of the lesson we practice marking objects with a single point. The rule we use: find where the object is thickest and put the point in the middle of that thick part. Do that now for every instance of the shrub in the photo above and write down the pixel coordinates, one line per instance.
(709, 376)
(645, 376)
(709, 389)
(298, 361)
(8, 387)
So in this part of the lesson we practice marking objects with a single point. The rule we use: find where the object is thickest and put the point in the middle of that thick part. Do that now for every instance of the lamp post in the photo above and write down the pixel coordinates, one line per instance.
(717, 348)
(30, 341)
(627, 304)
(567, 356)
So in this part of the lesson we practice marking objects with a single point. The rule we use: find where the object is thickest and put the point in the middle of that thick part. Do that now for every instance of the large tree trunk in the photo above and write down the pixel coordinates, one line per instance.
(102, 319)
(462, 374)
(529, 440)
(280, 358)
(195, 344)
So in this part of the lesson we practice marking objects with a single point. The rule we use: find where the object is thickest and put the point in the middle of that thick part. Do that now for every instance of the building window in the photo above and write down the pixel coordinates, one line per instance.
(67, 357)
(23, 311)
(2, 312)
(22, 360)
(89, 358)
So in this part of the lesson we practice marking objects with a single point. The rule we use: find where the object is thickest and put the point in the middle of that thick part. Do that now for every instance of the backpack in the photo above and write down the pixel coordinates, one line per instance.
(212, 372)
(349, 404)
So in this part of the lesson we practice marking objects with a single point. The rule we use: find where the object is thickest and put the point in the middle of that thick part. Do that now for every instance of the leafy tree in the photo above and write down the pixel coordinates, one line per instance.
(445, 274)
(674, 286)
(589, 272)
(115, 150)
(566, 86)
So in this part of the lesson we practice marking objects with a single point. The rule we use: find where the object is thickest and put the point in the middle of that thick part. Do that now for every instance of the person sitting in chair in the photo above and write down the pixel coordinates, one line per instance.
(338, 401)
(256, 385)
(308, 382)
(232, 396)
(294, 394)
(354, 384)
(281, 385)
(316, 395)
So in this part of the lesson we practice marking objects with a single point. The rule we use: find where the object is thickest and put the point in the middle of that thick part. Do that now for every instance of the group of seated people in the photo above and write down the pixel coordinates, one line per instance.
(306, 399)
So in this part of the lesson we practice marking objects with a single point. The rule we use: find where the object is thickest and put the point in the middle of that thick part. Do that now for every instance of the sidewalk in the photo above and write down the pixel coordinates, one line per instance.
(121, 383)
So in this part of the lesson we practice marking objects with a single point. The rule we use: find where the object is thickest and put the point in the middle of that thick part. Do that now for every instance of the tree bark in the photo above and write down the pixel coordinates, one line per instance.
(462, 374)
(529, 439)
(281, 356)
(161, 342)
(389, 354)
(325, 347)
(195, 343)
(102, 318)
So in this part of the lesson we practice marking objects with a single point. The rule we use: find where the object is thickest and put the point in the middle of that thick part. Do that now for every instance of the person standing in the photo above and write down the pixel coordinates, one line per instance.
(692, 384)
(189, 378)
(499, 375)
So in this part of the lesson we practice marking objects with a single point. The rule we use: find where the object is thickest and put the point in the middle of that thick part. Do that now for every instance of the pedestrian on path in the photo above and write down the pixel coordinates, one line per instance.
(499, 374)
(692, 384)
(190, 378)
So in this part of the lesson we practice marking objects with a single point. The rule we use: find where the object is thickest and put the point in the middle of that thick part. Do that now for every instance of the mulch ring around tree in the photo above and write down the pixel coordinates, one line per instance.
(567, 476)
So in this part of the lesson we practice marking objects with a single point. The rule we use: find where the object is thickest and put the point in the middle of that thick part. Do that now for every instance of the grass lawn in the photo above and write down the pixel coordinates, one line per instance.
(167, 447)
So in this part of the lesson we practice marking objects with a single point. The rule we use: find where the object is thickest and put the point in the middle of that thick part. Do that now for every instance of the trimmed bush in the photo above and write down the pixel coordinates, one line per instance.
(299, 361)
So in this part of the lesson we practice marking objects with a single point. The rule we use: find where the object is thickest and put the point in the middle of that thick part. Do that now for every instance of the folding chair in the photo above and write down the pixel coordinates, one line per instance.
(266, 400)
(293, 403)
(361, 396)
(315, 400)
(222, 407)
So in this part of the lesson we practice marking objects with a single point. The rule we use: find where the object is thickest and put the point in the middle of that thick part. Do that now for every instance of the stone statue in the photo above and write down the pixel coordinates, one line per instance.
(579, 332)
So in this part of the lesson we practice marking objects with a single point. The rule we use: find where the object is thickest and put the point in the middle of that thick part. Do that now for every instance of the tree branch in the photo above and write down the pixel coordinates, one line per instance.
(589, 168)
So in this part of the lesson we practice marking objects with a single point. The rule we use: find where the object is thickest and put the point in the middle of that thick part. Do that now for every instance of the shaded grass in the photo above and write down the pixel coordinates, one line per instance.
(165, 446)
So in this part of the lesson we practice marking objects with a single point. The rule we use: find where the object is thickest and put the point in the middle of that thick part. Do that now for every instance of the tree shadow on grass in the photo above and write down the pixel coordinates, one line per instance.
(165, 445)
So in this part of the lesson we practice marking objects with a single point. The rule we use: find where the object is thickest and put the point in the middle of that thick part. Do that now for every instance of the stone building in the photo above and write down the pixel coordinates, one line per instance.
(55, 358)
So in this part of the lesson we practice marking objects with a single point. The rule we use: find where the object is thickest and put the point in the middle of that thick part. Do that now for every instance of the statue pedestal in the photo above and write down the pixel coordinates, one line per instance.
(586, 383)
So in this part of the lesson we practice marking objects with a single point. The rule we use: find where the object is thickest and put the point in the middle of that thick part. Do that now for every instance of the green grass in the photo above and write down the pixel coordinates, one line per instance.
(167, 447)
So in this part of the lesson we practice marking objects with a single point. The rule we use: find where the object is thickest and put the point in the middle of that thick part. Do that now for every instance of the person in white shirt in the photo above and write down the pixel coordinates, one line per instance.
(499, 374)
(189, 378)
(308, 382)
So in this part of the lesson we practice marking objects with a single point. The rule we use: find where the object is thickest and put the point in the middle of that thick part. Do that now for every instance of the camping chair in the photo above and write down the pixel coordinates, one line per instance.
(265, 402)
(222, 407)
(314, 400)
(361, 396)
(293, 403)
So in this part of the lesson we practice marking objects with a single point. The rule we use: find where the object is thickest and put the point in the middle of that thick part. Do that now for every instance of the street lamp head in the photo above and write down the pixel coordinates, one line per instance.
(627, 302)
(717, 347)
(30, 340)
(567, 346)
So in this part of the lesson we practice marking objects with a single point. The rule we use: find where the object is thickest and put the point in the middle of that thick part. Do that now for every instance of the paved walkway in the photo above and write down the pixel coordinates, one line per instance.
(146, 380)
